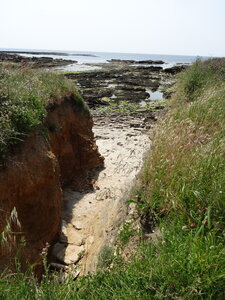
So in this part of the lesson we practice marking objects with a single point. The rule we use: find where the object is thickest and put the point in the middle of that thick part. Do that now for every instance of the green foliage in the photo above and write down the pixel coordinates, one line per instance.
(125, 107)
(183, 265)
(80, 104)
(105, 257)
(184, 174)
(184, 182)
(126, 232)
(199, 76)
(24, 97)
(194, 81)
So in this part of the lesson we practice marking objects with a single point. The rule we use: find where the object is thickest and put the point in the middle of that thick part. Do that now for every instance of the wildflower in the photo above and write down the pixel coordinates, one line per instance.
(45, 249)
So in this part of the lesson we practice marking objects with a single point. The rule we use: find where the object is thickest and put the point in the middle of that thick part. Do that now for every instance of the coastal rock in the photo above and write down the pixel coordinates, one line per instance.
(175, 69)
(34, 62)
(131, 95)
(93, 93)
(132, 88)
(119, 81)
(151, 62)
(149, 69)
(122, 61)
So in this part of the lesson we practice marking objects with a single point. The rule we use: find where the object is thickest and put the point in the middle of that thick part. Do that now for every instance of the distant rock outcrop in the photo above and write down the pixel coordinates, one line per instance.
(175, 69)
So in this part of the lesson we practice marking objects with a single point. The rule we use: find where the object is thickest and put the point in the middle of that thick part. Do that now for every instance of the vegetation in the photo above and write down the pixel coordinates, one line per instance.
(24, 96)
(126, 107)
(182, 189)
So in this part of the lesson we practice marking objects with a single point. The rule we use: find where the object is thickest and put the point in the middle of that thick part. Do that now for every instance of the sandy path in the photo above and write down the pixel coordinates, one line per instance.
(90, 220)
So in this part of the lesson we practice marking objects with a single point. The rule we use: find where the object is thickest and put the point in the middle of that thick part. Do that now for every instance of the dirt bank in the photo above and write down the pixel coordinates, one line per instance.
(56, 154)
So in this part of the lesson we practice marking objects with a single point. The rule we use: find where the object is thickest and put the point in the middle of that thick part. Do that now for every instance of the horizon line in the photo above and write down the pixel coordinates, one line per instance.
(88, 51)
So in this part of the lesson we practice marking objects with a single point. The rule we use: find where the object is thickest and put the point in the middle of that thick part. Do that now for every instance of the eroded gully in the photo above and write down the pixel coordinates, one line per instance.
(90, 219)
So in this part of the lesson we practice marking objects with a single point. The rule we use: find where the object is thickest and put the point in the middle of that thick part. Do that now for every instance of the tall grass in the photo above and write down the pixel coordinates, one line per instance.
(7, 236)
(183, 187)
(24, 97)
(184, 175)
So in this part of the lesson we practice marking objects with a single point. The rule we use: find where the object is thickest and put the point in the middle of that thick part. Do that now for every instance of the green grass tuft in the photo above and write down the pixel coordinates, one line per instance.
(24, 98)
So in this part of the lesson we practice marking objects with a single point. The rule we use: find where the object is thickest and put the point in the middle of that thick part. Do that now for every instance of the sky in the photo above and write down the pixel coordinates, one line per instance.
(185, 27)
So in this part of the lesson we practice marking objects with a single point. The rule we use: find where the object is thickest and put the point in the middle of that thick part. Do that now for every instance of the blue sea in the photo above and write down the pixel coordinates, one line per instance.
(102, 57)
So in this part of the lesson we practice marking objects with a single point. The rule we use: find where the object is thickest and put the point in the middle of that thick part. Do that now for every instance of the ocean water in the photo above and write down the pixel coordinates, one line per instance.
(102, 57)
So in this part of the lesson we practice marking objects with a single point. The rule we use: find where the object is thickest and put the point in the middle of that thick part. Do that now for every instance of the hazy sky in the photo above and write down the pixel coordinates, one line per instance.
(194, 27)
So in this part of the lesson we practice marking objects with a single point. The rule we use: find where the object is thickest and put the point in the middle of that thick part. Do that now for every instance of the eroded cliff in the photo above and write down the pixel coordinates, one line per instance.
(56, 154)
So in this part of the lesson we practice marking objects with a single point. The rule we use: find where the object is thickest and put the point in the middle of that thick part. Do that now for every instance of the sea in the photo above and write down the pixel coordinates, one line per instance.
(84, 58)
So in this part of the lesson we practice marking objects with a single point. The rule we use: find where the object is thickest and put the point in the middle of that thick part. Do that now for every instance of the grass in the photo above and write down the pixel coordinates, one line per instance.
(8, 235)
(182, 185)
(184, 182)
(125, 233)
(24, 98)
(185, 171)
(106, 257)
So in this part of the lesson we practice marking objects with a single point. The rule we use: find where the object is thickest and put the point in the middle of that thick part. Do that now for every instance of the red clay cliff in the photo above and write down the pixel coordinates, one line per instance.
(31, 180)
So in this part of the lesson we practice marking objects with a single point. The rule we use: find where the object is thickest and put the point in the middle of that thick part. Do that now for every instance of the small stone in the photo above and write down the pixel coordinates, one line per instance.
(135, 125)
(184, 228)
(77, 225)
(71, 236)
(67, 254)
(91, 239)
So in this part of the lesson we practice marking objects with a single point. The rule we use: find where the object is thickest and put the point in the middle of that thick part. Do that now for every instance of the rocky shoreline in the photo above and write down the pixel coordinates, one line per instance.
(33, 62)
(118, 82)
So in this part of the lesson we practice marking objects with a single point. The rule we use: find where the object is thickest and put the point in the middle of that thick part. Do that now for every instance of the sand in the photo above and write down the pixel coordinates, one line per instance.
(91, 219)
